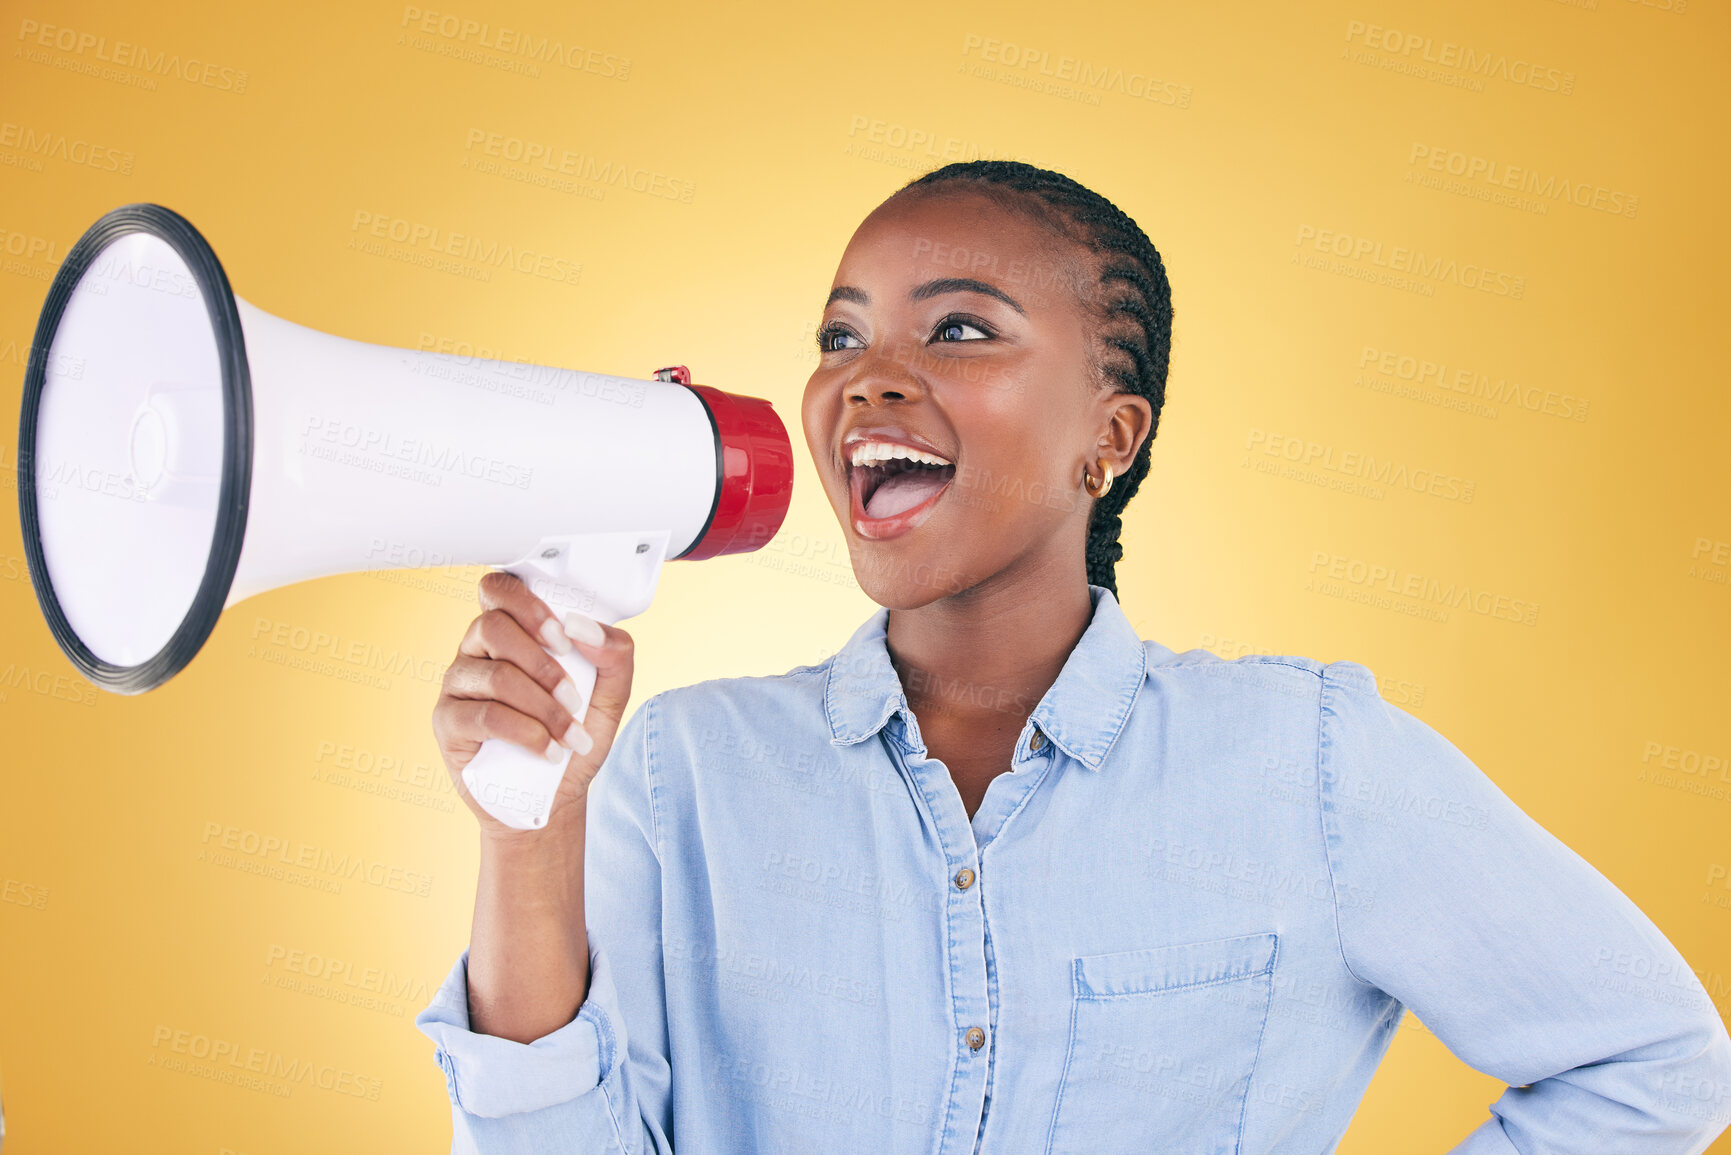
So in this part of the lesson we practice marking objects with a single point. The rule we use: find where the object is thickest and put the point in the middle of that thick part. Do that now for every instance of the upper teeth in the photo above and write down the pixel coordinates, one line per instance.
(869, 452)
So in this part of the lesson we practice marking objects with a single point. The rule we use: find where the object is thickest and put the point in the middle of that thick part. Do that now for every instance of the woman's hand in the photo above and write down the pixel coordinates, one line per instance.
(505, 684)
(528, 948)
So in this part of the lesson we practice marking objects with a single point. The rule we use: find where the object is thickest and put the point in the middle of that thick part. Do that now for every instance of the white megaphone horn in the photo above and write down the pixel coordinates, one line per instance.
(180, 450)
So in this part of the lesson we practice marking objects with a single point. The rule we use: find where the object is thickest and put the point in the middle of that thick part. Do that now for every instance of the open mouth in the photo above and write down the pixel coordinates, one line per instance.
(891, 480)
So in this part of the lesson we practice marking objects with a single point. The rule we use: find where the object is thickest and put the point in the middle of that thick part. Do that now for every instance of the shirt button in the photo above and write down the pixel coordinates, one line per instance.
(1037, 743)
(964, 878)
(976, 1038)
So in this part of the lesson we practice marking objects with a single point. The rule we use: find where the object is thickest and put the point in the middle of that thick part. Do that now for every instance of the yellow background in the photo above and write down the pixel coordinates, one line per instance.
(1273, 129)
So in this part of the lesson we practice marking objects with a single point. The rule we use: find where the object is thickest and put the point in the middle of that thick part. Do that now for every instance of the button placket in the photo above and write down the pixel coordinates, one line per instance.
(963, 880)
(975, 1037)
(963, 930)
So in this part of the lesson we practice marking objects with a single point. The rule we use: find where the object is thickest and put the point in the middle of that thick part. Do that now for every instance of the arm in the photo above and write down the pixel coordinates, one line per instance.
(1503, 941)
(528, 948)
(535, 1047)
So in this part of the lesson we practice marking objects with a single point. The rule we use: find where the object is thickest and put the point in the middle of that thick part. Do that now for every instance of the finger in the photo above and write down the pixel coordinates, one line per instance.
(612, 652)
(483, 679)
(465, 723)
(499, 636)
(502, 591)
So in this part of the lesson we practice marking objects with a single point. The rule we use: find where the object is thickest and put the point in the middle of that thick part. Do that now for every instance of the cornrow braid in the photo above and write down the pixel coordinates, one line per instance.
(1131, 301)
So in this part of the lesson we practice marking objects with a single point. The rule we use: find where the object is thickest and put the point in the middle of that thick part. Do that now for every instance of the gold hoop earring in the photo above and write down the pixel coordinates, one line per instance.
(1098, 489)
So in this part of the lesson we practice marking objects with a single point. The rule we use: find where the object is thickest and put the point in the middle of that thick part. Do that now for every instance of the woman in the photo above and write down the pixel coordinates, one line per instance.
(1000, 875)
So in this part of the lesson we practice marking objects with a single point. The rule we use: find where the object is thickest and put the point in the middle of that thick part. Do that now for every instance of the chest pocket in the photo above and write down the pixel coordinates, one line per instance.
(1162, 1045)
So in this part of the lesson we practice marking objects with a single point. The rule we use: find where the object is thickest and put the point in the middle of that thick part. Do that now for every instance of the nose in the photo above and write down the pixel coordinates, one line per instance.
(881, 378)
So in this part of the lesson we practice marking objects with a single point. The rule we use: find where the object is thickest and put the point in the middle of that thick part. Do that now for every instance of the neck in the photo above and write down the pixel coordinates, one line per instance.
(994, 649)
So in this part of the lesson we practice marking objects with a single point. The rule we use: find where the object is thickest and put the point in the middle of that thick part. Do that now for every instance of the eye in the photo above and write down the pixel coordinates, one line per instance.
(952, 329)
(836, 336)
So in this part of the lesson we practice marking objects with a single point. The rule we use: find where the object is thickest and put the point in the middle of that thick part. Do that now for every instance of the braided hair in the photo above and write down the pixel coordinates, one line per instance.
(1131, 302)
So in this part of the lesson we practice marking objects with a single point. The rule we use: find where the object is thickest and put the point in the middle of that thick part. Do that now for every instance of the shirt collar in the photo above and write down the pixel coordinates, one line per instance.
(1082, 714)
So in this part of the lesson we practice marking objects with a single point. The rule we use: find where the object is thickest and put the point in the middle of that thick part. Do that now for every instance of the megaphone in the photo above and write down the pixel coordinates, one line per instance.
(181, 450)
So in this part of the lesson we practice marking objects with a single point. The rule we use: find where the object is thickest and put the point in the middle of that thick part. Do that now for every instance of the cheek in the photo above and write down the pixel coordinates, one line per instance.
(1020, 432)
(817, 416)
(1022, 472)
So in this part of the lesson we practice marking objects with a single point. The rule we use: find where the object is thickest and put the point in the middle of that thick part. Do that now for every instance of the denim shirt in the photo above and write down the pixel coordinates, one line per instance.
(1187, 919)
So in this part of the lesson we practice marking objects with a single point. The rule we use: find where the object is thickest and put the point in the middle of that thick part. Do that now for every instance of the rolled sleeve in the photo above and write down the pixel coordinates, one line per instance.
(600, 1082)
(491, 1077)
(1505, 943)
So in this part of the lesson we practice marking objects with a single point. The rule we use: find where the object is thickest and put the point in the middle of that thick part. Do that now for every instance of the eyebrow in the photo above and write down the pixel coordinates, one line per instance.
(928, 290)
(964, 285)
(847, 293)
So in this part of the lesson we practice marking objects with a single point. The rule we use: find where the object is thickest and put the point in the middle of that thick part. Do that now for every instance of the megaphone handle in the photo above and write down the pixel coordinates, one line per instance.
(515, 785)
(609, 577)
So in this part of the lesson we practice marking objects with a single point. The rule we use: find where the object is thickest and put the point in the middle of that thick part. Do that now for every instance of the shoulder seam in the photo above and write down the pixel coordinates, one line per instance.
(1248, 659)
(1288, 665)
(1322, 812)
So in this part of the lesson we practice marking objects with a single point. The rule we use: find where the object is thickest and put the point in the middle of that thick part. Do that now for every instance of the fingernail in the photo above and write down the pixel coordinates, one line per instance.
(578, 740)
(556, 752)
(565, 693)
(584, 628)
(556, 638)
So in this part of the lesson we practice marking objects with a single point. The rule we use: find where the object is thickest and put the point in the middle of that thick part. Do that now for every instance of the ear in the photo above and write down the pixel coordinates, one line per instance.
(1128, 420)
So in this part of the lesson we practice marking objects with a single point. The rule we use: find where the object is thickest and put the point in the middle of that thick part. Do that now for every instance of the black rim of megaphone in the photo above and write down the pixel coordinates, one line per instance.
(230, 529)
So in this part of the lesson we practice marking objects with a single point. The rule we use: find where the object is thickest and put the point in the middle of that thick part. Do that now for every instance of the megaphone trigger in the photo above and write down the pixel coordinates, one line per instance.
(609, 577)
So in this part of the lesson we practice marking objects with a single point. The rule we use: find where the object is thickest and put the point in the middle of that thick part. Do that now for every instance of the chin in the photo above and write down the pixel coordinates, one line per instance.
(893, 595)
(906, 571)
(906, 580)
